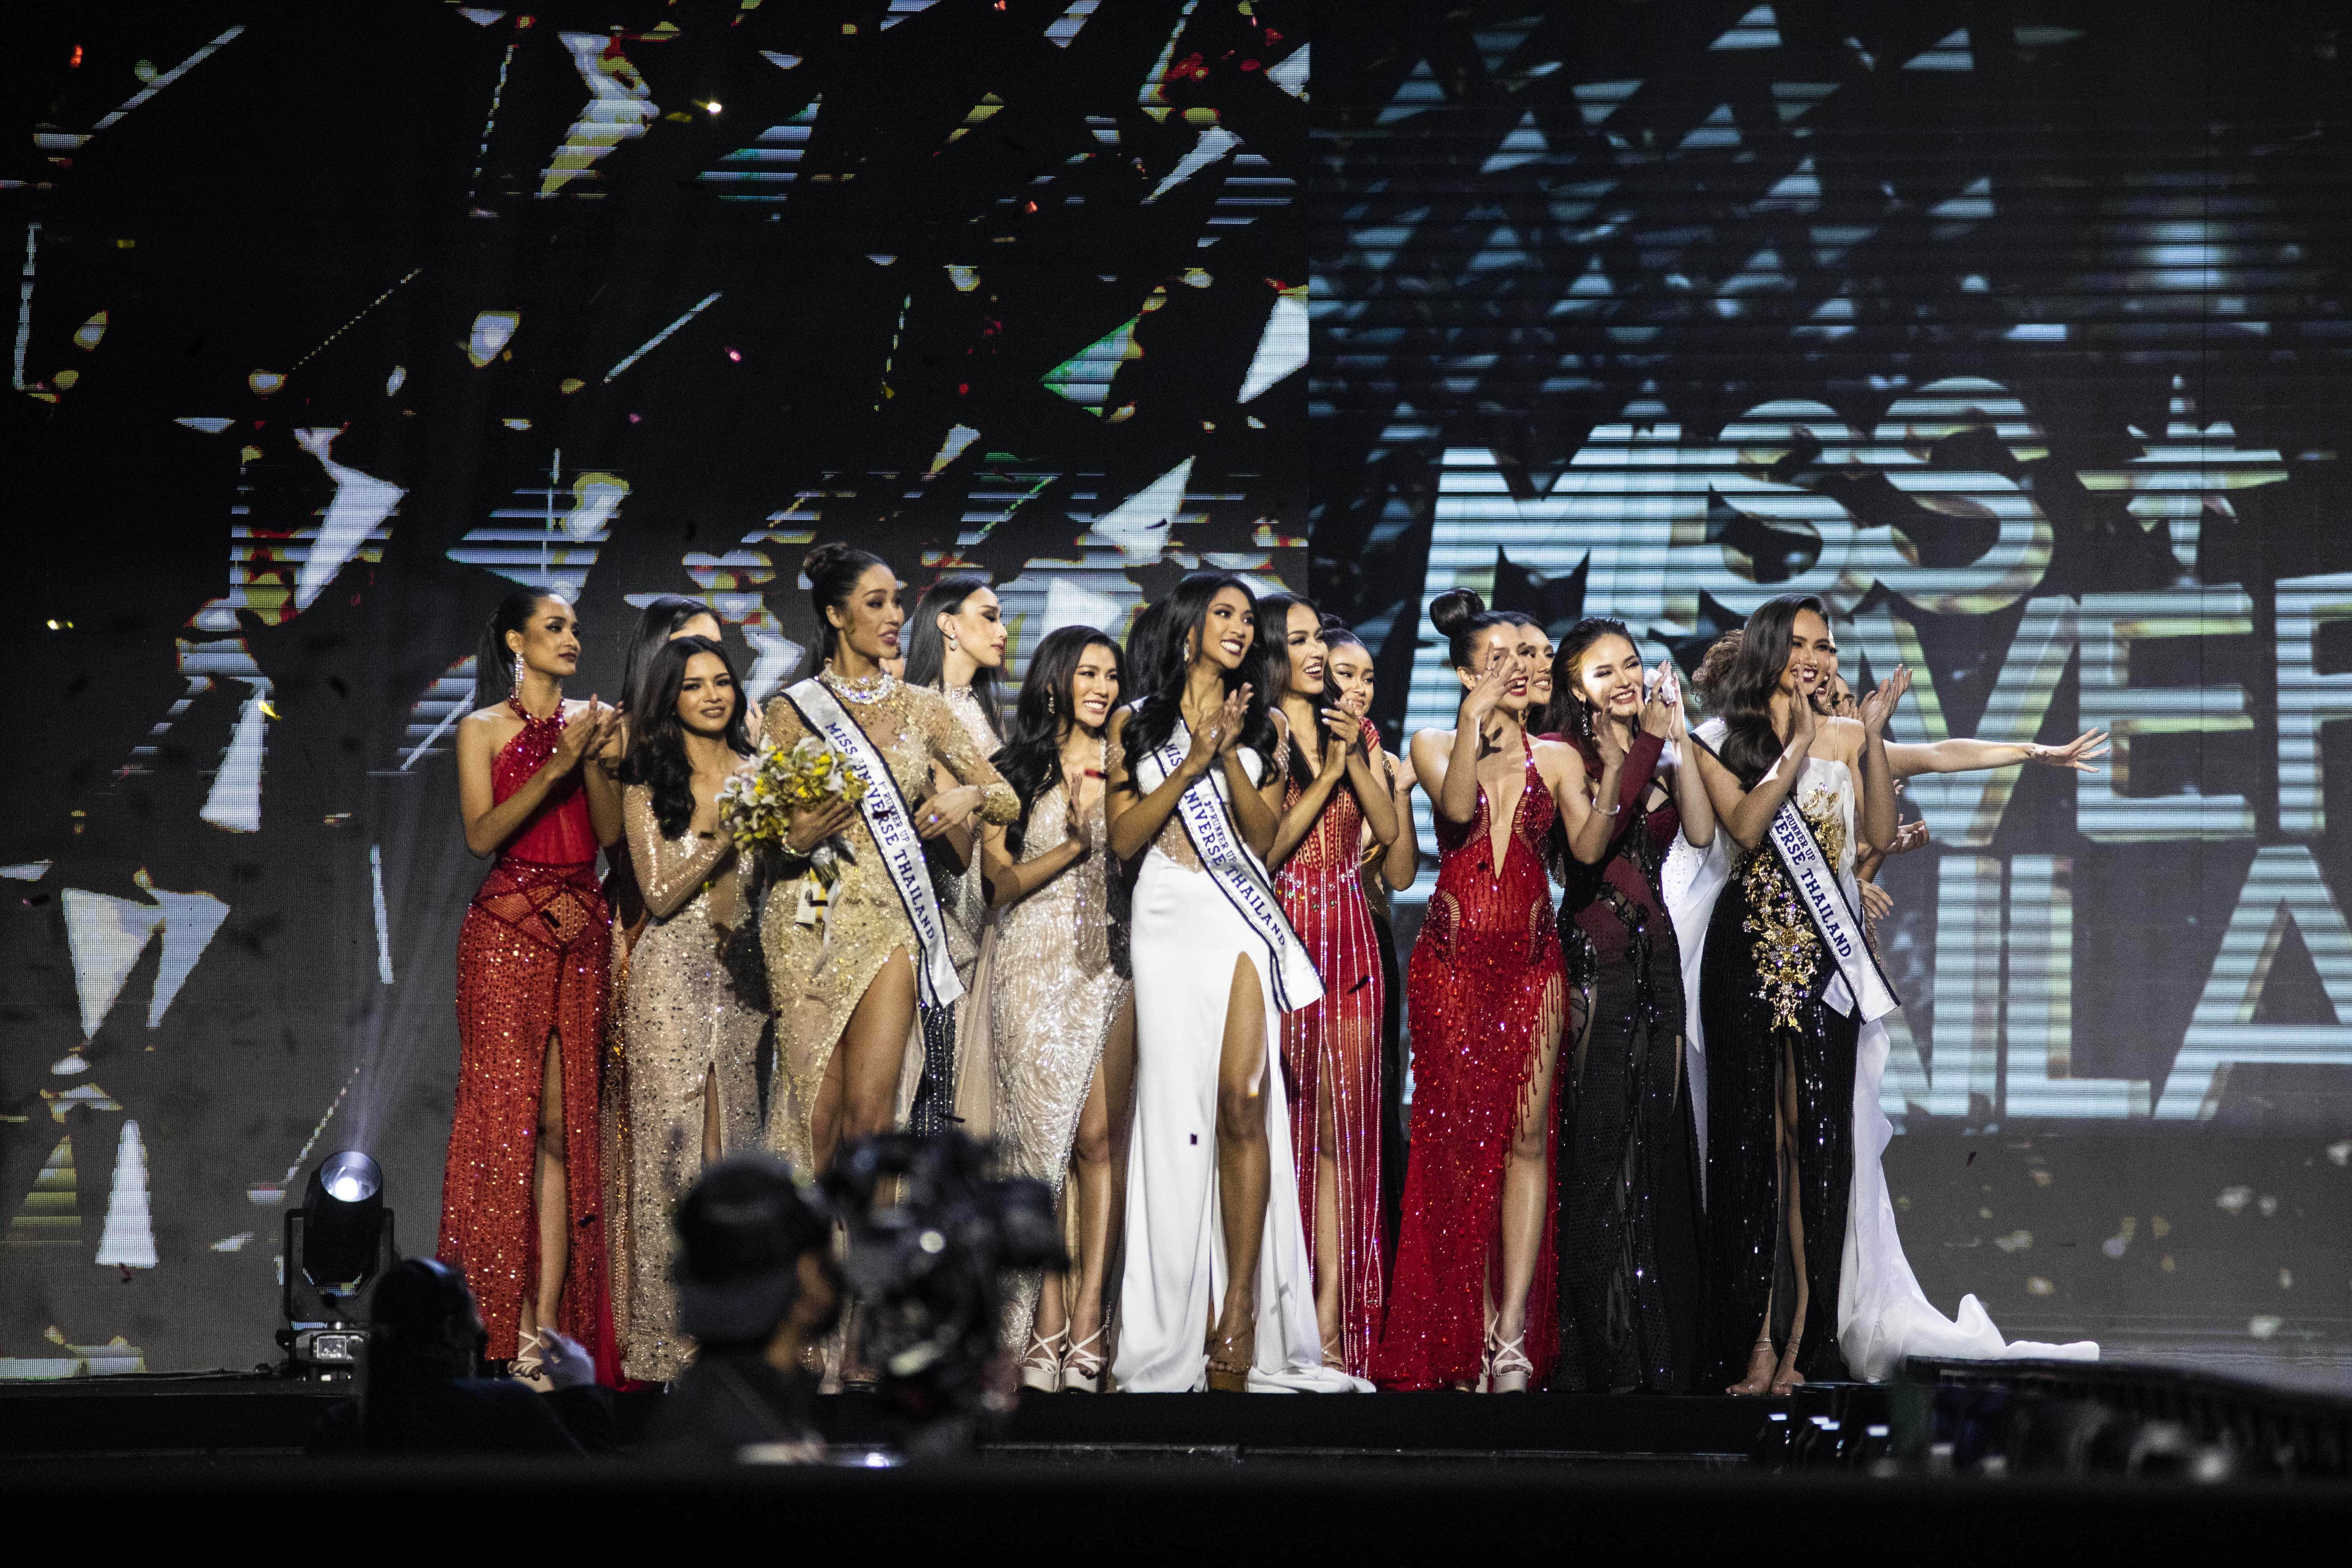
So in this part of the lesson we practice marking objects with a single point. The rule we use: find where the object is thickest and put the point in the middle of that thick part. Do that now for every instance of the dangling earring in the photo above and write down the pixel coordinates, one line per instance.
(518, 672)
(951, 645)
(1052, 707)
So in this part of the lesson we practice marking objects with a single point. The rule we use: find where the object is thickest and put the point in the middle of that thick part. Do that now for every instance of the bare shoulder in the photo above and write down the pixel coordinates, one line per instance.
(493, 727)
(1557, 760)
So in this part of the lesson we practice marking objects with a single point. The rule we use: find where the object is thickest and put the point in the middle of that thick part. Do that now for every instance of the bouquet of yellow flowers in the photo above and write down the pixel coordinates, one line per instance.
(758, 803)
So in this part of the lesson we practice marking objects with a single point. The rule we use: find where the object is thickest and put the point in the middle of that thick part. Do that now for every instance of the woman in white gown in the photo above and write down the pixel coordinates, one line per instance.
(1882, 1314)
(1217, 1288)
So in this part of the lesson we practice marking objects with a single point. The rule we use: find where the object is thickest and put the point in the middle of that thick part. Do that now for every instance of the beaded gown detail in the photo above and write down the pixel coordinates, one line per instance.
(1765, 990)
(933, 1090)
(818, 974)
(693, 1012)
(1333, 1047)
(1629, 1214)
(532, 961)
(1485, 986)
(1053, 999)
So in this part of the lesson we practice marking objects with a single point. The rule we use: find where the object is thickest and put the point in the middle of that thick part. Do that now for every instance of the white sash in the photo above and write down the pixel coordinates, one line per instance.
(1823, 896)
(1235, 868)
(892, 827)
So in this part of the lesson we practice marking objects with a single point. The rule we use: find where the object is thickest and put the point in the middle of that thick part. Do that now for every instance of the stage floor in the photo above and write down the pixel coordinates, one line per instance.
(198, 1415)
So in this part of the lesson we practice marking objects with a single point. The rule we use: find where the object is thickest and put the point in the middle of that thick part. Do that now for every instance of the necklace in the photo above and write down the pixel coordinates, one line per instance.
(872, 689)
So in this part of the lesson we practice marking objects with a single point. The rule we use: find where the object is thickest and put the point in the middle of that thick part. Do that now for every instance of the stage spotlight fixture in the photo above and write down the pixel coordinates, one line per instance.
(337, 1243)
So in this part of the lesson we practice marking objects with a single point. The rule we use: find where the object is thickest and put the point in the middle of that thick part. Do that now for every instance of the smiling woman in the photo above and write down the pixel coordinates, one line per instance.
(843, 981)
(693, 1006)
(1211, 1203)
(1061, 1029)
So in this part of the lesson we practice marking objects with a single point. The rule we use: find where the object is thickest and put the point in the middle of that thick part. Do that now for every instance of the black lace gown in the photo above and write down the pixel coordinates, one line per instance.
(1763, 988)
(1630, 1259)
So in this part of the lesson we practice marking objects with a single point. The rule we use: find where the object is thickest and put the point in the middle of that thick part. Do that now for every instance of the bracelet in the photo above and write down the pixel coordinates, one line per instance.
(1613, 810)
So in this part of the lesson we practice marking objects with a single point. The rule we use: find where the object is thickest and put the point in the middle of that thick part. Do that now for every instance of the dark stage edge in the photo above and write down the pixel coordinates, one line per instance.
(228, 1416)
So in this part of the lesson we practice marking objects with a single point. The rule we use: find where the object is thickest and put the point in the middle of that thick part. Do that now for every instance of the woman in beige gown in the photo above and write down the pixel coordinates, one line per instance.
(1061, 1019)
(842, 985)
(693, 1009)
(956, 644)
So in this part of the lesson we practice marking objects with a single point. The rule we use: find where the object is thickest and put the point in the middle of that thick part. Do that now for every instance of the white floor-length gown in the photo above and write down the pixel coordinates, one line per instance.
(1185, 941)
(1883, 1313)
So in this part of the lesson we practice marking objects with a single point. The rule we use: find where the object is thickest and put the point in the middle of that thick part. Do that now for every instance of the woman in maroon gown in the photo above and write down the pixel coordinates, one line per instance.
(1472, 1303)
(1629, 1214)
(522, 1198)
(1336, 783)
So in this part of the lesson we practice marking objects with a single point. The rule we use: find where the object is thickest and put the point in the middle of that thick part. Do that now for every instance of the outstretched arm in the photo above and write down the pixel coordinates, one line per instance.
(1963, 756)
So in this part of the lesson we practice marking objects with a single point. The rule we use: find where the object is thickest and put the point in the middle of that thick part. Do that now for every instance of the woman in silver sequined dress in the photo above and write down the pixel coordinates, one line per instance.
(955, 646)
(694, 1004)
(1061, 1018)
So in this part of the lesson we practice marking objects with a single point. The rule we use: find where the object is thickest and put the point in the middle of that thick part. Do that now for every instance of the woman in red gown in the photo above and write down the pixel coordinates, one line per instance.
(1473, 1299)
(1331, 1051)
(522, 1198)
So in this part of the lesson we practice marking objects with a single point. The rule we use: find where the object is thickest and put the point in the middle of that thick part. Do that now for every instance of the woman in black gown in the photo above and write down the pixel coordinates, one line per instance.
(1628, 1215)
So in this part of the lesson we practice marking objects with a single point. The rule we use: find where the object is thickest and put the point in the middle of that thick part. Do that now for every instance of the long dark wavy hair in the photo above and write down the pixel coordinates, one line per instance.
(926, 648)
(494, 677)
(656, 756)
(1031, 757)
(1145, 635)
(657, 623)
(832, 570)
(1273, 630)
(1743, 697)
(1187, 614)
(1569, 713)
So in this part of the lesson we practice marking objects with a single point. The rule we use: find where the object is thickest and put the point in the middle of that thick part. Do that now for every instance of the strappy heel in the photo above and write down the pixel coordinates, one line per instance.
(1335, 1354)
(1042, 1366)
(1508, 1366)
(1761, 1367)
(1229, 1362)
(526, 1367)
(1082, 1364)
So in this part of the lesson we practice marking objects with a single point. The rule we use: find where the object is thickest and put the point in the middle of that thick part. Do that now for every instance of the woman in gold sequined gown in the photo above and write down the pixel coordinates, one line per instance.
(843, 987)
(693, 1008)
(955, 646)
(1061, 1019)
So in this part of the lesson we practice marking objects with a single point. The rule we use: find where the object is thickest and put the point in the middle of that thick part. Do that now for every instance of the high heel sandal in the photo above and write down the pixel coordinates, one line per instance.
(525, 1368)
(1758, 1379)
(1042, 1366)
(1082, 1364)
(1508, 1366)
(1229, 1362)
(1787, 1379)
(1335, 1354)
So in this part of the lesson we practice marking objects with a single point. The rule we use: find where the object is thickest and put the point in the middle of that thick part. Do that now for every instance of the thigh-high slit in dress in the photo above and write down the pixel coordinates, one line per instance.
(532, 968)
(1484, 990)
(1774, 1005)
(1187, 942)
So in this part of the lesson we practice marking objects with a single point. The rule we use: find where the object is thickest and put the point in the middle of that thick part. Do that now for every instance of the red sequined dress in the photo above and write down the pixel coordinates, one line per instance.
(1485, 989)
(1333, 1048)
(532, 961)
